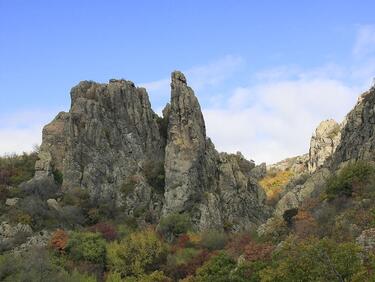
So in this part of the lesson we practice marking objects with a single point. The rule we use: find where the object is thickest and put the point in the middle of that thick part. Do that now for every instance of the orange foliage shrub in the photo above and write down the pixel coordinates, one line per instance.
(273, 183)
(237, 244)
(304, 224)
(254, 251)
(59, 240)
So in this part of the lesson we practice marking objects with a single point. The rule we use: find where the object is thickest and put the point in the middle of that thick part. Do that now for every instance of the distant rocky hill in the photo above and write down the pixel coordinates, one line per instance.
(332, 146)
(112, 144)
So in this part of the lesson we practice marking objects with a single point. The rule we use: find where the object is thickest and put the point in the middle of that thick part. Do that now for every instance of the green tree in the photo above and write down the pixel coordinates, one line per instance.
(86, 246)
(217, 269)
(174, 225)
(343, 182)
(314, 260)
(139, 253)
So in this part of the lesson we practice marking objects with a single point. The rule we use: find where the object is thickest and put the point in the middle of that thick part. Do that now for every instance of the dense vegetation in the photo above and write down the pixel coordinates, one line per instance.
(93, 241)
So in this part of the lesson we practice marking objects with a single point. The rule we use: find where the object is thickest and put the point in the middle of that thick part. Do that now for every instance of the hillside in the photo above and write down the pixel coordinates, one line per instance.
(117, 193)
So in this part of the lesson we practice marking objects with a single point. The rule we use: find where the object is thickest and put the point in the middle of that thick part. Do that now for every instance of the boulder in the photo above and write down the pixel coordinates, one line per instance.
(11, 201)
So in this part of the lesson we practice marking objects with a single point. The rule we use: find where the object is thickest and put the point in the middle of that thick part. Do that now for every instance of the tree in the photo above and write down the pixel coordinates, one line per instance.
(86, 246)
(174, 225)
(139, 253)
(217, 269)
(353, 175)
(314, 260)
(106, 230)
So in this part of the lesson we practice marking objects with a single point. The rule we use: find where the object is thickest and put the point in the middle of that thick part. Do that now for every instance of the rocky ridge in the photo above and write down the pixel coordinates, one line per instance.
(114, 146)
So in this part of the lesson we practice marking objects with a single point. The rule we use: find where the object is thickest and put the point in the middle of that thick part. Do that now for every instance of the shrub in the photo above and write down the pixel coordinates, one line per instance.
(129, 185)
(217, 269)
(155, 175)
(57, 176)
(4, 192)
(274, 182)
(86, 246)
(156, 276)
(15, 169)
(237, 243)
(348, 178)
(174, 225)
(214, 240)
(255, 252)
(304, 224)
(106, 230)
(42, 188)
(59, 240)
(36, 265)
(163, 126)
(24, 218)
(314, 260)
(139, 253)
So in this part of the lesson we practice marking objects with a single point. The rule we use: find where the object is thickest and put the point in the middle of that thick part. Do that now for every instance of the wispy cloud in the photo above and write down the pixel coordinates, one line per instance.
(199, 77)
(274, 120)
(20, 131)
(365, 42)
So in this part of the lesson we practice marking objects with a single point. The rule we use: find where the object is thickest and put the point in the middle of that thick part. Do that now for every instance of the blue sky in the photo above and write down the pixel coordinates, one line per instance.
(266, 72)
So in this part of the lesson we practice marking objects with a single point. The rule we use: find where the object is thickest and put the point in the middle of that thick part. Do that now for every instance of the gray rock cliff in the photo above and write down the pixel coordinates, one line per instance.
(114, 146)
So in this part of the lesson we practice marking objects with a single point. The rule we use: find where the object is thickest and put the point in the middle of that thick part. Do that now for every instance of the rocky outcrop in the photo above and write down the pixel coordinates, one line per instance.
(107, 137)
(114, 146)
(357, 140)
(294, 197)
(367, 240)
(297, 165)
(217, 190)
(185, 162)
(323, 143)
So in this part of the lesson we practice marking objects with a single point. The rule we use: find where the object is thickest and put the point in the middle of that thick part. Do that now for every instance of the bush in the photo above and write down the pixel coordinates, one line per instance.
(314, 260)
(155, 175)
(129, 185)
(36, 265)
(57, 176)
(15, 169)
(86, 246)
(156, 276)
(217, 269)
(41, 188)
(139, 253)
(352, 176)
(59, 240)
(257, 252)
(214, 240)
(237, 244)
(106, 230)
(174, 225)
(274, 182)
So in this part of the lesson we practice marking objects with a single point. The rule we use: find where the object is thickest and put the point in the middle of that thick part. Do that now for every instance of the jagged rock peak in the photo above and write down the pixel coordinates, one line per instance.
(185, 148)
(178, 78)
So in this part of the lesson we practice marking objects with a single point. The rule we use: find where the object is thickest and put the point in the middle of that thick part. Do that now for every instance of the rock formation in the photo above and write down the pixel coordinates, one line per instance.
(115, 147)
(323, 143)
(358, 132)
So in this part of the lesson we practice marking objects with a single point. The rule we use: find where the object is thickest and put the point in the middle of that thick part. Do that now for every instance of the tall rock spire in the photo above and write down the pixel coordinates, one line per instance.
(184, 153)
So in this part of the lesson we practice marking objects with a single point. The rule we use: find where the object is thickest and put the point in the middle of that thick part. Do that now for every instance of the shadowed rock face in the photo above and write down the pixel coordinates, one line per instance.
(357, 140)
(111, 137)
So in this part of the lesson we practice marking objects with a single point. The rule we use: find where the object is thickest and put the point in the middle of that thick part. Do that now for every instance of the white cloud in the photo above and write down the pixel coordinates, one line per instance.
(274, 120)
(20, 131)
(365, 42)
